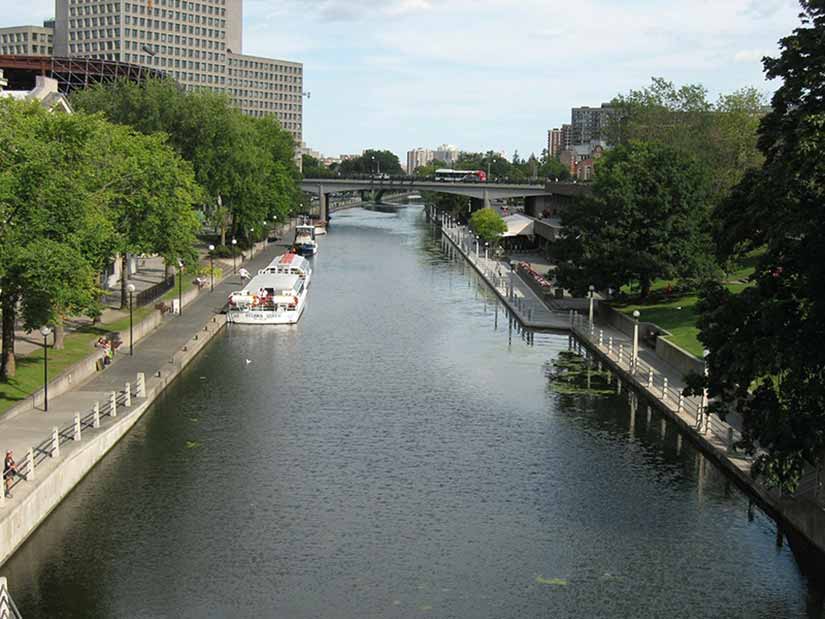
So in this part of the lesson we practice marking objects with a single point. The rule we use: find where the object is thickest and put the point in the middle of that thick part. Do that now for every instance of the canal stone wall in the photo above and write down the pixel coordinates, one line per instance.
(55, 479)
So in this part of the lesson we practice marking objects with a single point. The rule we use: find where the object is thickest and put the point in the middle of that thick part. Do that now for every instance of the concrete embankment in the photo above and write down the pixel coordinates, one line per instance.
(661, 381)
(68, 440)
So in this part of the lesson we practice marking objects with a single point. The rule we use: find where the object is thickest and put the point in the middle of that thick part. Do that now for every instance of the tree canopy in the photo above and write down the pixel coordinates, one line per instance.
(371, 162)
(246, 161)
(767, 344)
(647, 218)
(721, 135)
(487, 224)
(75, 191)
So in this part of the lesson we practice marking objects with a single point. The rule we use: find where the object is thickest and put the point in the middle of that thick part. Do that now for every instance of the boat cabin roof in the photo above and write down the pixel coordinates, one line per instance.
(292, 261)
(278, 282)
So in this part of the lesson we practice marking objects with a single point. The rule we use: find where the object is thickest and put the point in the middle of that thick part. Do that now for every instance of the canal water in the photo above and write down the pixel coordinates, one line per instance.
(401, 453)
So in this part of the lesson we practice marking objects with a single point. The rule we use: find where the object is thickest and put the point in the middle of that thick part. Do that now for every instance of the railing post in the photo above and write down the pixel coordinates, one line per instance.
(664, 388)
(113, 404)
(681, 403)
(610, 345)
(140, 390)
(76, 436)
(621, 354)
(55, 443)
(128, 391)
(96, 415)
(5, 596)
(650, 379)
(601, 337)
(30, 458)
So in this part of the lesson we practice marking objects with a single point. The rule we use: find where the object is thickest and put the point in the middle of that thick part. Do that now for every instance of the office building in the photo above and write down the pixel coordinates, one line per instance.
(590, 123)
(27, 40)
(417, 158)
(199, 44)
(447, 153)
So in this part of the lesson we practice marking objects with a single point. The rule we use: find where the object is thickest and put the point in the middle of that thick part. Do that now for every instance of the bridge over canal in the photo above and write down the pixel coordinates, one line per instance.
(536, 196)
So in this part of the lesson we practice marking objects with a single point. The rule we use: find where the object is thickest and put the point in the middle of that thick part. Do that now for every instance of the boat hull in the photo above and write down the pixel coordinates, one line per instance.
(254, 317)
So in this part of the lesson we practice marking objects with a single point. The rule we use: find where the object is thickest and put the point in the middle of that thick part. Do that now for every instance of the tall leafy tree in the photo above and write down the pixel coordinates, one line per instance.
(647, 218)
(148, 192)
(369, 163)
(487, 224)
(720, 135)
(767, 344)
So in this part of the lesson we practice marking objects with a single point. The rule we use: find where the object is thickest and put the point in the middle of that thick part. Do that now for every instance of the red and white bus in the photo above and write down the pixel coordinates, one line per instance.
(461, 176)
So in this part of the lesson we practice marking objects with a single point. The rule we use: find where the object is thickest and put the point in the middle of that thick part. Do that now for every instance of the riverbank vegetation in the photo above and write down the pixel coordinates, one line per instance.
(138, 169)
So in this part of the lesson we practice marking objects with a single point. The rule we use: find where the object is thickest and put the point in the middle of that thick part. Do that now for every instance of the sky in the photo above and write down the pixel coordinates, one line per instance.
(490, 74)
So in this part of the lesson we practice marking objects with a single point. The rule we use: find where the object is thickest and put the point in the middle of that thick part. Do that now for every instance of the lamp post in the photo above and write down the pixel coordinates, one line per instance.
(635, 357)
(45, 332)
(234, 256)
(131, 289)
(180, 287)
(592, 288)
(478, 242)
(486, 249)
(211, 269)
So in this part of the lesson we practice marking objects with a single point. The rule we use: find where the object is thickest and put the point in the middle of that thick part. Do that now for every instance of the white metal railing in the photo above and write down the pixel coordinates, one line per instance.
(504, 280)
(655, 382)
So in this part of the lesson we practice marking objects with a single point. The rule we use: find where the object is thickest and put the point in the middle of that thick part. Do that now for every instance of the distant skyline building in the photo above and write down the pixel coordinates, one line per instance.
(559, 139)
(447, 153)
(199, 44)
(417, 158)
(590, 123)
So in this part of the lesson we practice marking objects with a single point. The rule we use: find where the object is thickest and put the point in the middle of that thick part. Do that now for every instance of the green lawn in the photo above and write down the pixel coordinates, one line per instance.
(78, 345)
(678, 313)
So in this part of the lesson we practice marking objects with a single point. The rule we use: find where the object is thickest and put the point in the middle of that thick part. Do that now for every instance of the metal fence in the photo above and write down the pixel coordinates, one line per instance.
(144, 297)
(8, 609)
(50, 447)
(655, 383)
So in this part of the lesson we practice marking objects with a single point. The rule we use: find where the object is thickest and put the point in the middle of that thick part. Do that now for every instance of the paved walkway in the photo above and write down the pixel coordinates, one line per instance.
(513, 291)
(152, 354)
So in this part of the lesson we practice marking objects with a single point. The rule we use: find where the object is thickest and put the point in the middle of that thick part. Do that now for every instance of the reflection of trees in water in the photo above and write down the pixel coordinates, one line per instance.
(570, 373)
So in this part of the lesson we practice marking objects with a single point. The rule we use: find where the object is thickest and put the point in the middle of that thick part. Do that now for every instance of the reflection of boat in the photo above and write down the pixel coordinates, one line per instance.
(305, 243)
(275, 296)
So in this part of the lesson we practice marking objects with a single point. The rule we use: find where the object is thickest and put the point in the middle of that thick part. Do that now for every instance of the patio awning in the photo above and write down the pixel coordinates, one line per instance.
(518, 225)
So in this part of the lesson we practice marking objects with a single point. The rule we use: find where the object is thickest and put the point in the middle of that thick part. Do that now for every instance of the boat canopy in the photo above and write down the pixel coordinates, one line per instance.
(292, 262)
(278, 282)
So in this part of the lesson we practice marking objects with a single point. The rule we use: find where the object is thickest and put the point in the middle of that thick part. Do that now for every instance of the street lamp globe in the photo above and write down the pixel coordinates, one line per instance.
(234, 241)
(636, 314)
(591, 288)
(211, 248)
(45, 331)
(130, 287)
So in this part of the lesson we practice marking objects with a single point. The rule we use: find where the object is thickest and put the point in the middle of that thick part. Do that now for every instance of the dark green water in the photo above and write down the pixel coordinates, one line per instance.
(399, 453)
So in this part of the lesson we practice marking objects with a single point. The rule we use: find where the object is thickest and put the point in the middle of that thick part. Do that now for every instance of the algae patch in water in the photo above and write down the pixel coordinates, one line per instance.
(553, 582)
(192, 444)
(570, 373)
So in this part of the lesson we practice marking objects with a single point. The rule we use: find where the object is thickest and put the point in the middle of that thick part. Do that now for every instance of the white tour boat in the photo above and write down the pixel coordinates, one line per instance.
(305, 243)
(270, 298)
(289, 264)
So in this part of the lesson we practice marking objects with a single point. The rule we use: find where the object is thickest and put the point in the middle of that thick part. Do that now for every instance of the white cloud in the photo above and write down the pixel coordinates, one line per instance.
(749, 55)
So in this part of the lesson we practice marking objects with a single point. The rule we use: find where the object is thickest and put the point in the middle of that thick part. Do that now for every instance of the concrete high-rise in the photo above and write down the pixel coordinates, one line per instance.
(199, 44)
(417, 158)
(27, 40)
(590, 123)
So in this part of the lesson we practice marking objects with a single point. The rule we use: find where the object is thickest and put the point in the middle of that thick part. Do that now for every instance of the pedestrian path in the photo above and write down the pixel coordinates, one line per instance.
(663, 382)
(152, 356)
(499, 275)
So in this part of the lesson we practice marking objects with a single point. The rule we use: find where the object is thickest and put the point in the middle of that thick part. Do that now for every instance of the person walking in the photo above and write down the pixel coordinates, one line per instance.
(9, 471)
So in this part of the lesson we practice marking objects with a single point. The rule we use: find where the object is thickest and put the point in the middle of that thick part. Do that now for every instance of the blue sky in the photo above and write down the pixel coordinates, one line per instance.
(490, 74)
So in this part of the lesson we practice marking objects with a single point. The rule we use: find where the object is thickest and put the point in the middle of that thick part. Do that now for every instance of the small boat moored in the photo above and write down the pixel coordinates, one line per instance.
(305, 243)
